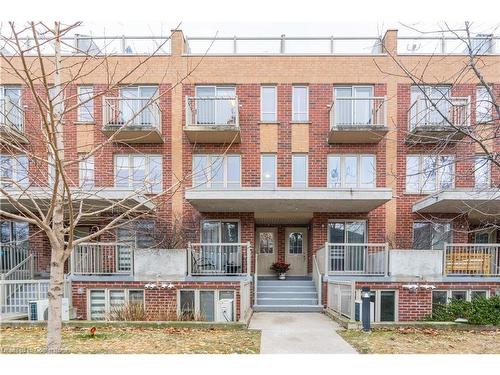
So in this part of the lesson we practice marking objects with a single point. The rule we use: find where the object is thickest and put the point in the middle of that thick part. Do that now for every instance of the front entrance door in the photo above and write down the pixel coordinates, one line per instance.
(266, 248)
(296, 250)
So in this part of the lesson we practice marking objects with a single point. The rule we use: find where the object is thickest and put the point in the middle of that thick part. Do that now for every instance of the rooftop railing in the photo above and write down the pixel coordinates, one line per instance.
(283, 45)
(97, 45)
(448, 45)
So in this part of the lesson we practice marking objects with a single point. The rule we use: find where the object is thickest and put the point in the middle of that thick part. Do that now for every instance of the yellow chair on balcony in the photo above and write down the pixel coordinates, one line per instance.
(468, 263)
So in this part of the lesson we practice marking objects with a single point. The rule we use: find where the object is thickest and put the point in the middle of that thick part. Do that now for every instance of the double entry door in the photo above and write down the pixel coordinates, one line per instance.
(295, 250)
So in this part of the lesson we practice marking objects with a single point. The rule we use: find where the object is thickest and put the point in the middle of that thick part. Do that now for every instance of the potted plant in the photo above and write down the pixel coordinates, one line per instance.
(281, 269)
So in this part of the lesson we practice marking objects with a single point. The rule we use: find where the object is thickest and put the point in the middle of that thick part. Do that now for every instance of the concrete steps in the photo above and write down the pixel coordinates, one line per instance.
(293, 295)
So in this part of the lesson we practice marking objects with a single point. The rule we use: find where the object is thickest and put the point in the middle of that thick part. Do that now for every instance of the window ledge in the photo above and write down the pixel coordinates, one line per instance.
(84, 122)
(268, 122)
(300, 122)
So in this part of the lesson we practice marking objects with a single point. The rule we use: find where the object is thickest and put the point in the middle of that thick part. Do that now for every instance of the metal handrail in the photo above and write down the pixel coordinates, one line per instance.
(210, 116)
(18, 271)
(361, 261)
(457, 111)
(113, 113)
(218, 259)
(317, 275)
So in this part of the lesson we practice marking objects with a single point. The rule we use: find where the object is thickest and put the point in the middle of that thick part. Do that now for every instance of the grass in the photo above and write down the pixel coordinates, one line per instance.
(412, 340)
(134, 340)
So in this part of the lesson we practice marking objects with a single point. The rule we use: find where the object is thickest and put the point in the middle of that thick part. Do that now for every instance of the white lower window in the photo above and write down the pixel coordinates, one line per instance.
(207, 305)
(429, 173)
(383, 306)
(356, 171)
(103, 302)
(140, 172)
(443, 297)
(216, 171)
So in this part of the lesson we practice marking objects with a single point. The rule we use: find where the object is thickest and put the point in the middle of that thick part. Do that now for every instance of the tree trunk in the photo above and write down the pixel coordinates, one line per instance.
(55, 295)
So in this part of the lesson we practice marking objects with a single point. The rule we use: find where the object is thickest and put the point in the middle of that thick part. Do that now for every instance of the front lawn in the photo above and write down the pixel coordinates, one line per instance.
(423, 341)
(130, 340)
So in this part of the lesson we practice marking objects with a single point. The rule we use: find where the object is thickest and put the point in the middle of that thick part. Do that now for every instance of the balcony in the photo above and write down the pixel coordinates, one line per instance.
(366, 259)
(471, 259)
(288, 200)
(357, 120)
(212, 120)
(136, 120)
(11, 122)
(219, 259)
(102, 259)
(438, 120)
(478, 204)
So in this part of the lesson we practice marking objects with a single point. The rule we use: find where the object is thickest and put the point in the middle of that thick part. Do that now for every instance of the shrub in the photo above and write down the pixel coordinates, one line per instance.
(128, 312)
(478, 311)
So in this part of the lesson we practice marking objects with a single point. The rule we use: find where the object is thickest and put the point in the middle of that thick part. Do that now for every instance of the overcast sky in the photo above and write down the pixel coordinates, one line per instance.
(256, 17)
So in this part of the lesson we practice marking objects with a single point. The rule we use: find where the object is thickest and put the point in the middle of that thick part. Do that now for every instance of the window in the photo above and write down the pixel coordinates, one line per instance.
(347, 257)
(266, 242)
(86, 171)
(383, 306)
(207, 305)
(443, 297)
(13, 243)
(431, 236)
(429, 104)
(352, 106)
(268, 104)
(299, 171)
(137, 106)
(347, 231)
(220, 231)
(140, 234)
(85, 104)
(351, 171)
(482, 172)
(295, 243)
(217, 171)
(216, 105)
(140, 172)
(300, 99)
(11, 112)
(484, 107)
(103, 302)
(268, 171)
(428, 173)
(14, 171)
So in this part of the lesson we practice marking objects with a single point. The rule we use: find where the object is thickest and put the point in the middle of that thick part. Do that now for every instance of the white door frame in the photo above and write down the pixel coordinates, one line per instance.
(293, 259)
(265, 271)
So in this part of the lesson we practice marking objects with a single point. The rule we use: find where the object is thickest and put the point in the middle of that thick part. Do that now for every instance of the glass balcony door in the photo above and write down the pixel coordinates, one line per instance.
(10, 107)
(345, 257)
(136, 106)
(215, 105)
(215, 256)
(353, 105)
(433, 105)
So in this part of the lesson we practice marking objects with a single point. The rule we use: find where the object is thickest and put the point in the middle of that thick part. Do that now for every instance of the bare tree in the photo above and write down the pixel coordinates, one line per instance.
(439, 123)
(46, 62)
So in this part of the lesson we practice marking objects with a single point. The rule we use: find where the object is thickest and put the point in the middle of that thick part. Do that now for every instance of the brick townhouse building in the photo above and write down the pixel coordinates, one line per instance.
(316, 152)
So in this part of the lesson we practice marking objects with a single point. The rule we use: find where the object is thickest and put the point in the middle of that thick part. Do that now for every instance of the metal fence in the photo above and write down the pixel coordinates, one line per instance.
(102, 258)
(357, 258)
(217, 111)
(136, 112)
(15, 295)
(448, 45)
(219, 258)
(341, 295)
(439, 112)
(350, 111)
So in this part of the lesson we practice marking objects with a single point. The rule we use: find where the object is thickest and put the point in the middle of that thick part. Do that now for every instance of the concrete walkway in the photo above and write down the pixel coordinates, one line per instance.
(299, 333)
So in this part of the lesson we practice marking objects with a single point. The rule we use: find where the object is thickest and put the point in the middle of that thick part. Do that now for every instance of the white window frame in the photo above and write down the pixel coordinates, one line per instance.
(83, 109)
(345, 222)
(220, 221)
(468, 294)
(421, 176)
(483, 103)
(450, 223)
(275, 156)
(149, 189)
(294, 112)
(211, 159)
(485, 164)
(83, 172)
(306, 182)
(358, 171)
(275, 113)
(197, 308)
(107, 305)
(354, 95)
(16, 175)
(377, 302)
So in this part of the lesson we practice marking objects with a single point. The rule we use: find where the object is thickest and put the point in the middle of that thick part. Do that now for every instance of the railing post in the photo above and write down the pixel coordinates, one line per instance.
(282, 44)
(332, 45)
(235, 49)
(327, 259)
(123, 44)
(249, 259)
(189, 260)
(443, 44)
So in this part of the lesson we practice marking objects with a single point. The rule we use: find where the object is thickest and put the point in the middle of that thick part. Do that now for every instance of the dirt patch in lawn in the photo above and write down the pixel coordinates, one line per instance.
(130, 340)
(424, 341)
